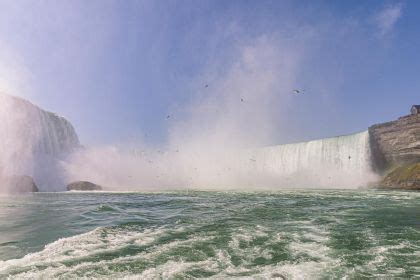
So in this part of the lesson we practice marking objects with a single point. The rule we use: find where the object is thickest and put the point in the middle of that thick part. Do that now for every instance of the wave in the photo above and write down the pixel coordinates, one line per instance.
(291, 236)
(106, 208)
(127, 252)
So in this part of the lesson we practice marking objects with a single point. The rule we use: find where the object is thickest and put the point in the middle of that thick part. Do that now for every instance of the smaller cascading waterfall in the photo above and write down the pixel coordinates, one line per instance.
(33, 141)
(57, 134)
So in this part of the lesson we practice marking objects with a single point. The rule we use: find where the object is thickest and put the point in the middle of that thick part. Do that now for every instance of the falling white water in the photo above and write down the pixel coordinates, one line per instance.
(339, 162)
(336, 161)
(32, 141)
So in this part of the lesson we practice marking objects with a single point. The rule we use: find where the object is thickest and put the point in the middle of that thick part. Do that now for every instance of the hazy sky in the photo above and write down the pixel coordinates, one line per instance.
(117, 69)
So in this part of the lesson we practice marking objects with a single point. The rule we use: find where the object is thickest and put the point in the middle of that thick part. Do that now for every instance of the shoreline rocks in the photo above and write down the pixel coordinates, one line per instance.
(83, 186)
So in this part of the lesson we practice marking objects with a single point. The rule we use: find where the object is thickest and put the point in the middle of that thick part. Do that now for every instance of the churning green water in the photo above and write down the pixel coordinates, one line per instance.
(285, 234)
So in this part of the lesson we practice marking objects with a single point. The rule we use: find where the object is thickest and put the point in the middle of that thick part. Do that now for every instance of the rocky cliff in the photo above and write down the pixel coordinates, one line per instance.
(395, 143)
(395, 148)
(402, 177)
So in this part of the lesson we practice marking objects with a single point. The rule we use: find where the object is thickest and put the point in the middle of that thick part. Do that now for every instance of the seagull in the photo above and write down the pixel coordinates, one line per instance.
(168, 116)
(206, 86)
(349, 157)
(297, 91)
(251, 159)
(242, 100)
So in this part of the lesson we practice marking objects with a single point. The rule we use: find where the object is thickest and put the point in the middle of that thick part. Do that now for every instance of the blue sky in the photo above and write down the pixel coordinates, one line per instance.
(117, 69)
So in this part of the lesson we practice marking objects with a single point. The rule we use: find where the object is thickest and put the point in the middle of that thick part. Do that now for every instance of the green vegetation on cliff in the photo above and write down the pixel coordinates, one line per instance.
(405, 177)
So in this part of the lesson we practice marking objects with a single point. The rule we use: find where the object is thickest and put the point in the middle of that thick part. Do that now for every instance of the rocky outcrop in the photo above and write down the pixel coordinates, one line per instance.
(395, 143)
(403, 177)
(395, 148)
(83, 186)
(18, 184)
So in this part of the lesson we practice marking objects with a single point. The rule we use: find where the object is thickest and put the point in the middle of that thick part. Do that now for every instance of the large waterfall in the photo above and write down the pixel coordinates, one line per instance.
(32, 141)
(336, 161)
(35, 142)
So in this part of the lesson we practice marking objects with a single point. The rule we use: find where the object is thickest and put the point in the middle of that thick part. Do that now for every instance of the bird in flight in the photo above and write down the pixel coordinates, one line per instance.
(206, 86)
(297, 91)
(242, 100)
(168, 116)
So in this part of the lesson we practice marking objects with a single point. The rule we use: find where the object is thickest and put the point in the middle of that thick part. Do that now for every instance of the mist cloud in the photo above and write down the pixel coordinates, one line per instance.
(388, 17)
(213, 140)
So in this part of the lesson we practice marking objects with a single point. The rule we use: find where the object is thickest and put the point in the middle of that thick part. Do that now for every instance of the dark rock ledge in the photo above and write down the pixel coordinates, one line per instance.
(83, 186)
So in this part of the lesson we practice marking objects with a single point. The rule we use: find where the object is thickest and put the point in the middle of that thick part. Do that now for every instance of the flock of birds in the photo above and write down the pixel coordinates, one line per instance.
(294, 92)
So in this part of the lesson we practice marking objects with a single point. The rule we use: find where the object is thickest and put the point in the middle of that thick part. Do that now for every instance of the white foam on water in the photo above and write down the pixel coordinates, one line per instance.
(80, 246)
(168, 270)
(385, 252)
(51, 261)
(80, 256)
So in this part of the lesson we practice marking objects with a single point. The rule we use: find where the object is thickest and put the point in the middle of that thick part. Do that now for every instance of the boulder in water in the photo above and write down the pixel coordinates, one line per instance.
(18, 184)
(83, 186)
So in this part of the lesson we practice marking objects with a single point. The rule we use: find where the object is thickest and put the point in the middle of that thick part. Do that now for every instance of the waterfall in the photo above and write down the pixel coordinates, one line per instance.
(336, 161)
(35, 142)
(32, 142)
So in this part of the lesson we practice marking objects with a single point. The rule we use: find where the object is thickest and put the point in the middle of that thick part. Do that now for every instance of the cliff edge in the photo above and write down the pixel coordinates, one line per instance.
(395, 143)
(395, 148)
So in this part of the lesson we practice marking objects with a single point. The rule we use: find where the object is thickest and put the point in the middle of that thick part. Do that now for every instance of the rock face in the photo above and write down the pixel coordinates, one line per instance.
(395, 143)
(403, 177)
(395, 150)
(18, 184)
(83, 186)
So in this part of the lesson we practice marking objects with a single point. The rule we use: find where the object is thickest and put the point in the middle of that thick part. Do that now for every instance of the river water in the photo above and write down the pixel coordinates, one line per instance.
(289, 234)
